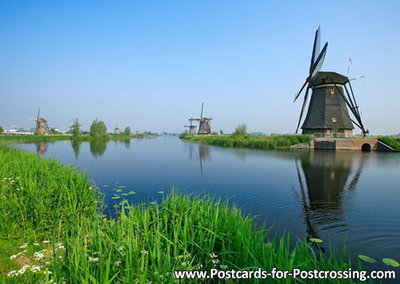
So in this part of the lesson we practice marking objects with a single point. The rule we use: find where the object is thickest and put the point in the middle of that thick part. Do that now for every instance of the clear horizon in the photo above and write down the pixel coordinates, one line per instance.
(149, 65)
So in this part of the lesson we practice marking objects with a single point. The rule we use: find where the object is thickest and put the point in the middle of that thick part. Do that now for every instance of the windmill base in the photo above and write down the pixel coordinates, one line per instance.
(353, 144)
(339, 133)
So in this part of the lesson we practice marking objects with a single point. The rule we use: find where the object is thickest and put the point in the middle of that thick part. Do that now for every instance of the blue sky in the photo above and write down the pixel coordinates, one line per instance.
(150, 64)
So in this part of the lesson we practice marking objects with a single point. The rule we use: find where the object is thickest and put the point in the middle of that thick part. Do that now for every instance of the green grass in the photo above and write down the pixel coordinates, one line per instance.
(51, 216)
(249, 141)
(391, 141)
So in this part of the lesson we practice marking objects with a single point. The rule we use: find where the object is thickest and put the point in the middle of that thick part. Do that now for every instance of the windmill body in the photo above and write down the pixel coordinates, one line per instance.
(41, 124)
(192, 128)
(327, 113)
(204, 124)
(41, 127)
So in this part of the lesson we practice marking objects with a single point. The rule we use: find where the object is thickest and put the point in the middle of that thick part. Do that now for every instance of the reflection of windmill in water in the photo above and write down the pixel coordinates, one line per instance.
(327, 113)
(192, 128)
(204, 153)
(41, 148)
(326, 187)
(204, 123)
(41, 124)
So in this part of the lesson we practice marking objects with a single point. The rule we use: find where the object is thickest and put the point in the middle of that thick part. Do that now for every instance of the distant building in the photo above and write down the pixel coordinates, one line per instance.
(117, 131)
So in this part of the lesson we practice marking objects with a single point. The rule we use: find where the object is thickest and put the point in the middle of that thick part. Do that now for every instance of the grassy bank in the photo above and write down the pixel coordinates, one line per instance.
(391, 141)
(249, 141)
(52, 228)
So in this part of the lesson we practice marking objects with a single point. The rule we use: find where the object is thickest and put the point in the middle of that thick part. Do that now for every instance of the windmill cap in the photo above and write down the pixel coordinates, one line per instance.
(41, 120)
(328, 78)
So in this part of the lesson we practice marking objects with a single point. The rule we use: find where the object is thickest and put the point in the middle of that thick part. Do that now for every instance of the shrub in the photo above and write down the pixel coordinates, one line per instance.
(127, 130)
(98, 129)
(241, 129)
(75, 129)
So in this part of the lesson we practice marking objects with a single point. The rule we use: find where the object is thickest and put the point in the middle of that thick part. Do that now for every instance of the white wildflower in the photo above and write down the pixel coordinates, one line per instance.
(23, 246)
(38, 255)
(46, 242)
(93, 259)
(144, 252)
(199, 266)
(12, 273)
(13, 256)
(117, 263)
(215, 261)
(21, 252)
(22, 270)
(35, 268)
(35, 244)
(120, 248)
(47, 272)
(213, 255)
(223, 266)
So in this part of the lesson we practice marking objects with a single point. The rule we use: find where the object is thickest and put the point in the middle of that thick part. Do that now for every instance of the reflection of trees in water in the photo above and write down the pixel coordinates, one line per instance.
(127, 143)
(324, 186)
(76, 146)
(41, 148)
(98, 147)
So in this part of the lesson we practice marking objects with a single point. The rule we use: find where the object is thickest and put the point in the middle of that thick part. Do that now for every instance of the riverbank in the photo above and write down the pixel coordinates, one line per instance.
(393, 142)
(51, 221)
(281, 142)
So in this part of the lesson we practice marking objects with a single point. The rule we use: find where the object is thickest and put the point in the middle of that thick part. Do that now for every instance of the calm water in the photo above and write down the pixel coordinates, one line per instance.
(350, 197)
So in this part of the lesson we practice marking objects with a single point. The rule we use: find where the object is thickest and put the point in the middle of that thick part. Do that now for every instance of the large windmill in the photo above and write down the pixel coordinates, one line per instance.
(204, 123)
(41, 124)
(192, 128)
(327, 114)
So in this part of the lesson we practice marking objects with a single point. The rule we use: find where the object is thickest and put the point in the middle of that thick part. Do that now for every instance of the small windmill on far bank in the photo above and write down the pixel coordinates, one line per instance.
(204, 123)
(41, 124)
(192, 128)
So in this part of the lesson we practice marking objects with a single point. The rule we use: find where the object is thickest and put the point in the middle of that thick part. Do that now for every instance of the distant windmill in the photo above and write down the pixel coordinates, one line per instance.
(204, 123)
(41, 124)
(327, 113)
(192, 128)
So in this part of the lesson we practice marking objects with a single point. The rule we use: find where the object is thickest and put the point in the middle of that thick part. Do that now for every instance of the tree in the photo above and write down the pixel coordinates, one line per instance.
(76, 127)
(1, 129)
(221, 132)
(98, 129)
(127, 130)
(241, 129)
(53, 131)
